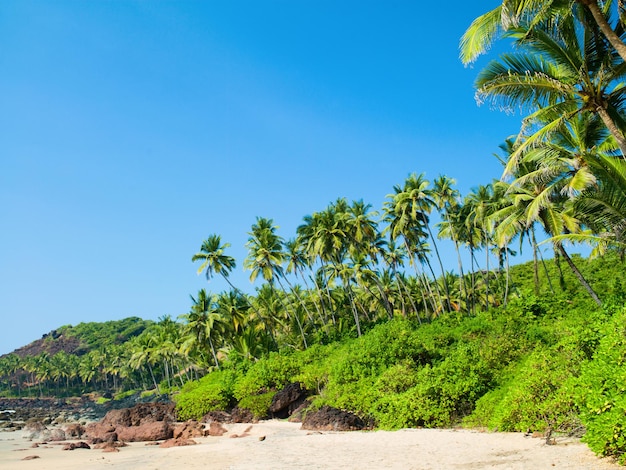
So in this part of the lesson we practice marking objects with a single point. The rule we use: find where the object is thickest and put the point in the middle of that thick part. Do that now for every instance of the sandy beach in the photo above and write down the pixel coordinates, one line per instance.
(283, 445)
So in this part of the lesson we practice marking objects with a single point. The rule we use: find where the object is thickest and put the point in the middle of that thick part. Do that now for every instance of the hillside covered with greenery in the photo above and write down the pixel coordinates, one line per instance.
(357, 306)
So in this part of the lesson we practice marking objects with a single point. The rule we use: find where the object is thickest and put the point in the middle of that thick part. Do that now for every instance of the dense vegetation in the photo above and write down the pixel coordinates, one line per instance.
(358, 306)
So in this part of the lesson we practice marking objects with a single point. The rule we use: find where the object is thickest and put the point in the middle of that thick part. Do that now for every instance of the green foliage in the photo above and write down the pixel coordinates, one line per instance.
(538, 395)
(602, 392)
(102, 334)
(259, 405)
(212, 392)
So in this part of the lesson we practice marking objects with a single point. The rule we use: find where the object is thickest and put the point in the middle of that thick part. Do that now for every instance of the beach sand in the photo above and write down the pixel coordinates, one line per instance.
(282, 445)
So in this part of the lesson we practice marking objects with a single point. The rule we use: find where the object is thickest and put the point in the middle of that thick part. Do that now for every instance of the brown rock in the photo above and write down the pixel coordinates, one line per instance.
(216, 429)
(31, 457)
(156, 431)
(74, 431)
(188, 430)
(76, 445)
(110, 448)
(178, 442)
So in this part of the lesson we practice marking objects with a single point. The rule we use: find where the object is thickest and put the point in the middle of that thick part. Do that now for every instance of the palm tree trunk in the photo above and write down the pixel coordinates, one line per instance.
(613, 129)
(579, 275)
(605, 27)
(443, 272)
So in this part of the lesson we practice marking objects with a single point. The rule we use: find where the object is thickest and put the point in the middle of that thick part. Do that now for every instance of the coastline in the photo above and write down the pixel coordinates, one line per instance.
(283, 445)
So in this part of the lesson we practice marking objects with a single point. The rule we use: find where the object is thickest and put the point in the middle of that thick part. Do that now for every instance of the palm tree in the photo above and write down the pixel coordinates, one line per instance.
(202, 323)
(559, 73)
(265, 257)
(511, 13)
(446, 198)
(406, 212)
(214, 260)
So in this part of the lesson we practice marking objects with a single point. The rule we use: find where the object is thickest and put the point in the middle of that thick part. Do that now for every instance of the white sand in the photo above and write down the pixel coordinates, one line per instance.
(287, 447)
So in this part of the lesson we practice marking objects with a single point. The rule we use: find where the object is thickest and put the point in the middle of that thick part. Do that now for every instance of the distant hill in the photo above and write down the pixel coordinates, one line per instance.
(84, 337)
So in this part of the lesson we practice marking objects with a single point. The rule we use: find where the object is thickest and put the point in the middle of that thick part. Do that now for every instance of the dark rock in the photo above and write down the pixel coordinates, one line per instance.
(217, 416)
(76, 445)
(331, 419)
(287, 400)
(241, 415)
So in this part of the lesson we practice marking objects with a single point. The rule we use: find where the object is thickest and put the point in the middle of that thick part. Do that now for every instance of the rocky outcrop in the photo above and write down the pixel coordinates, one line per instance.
(332, 419)
(189, 430)
(143, 422)
(287, 400)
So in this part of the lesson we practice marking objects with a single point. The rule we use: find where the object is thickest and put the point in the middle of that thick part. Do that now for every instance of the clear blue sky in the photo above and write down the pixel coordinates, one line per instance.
(131, 130)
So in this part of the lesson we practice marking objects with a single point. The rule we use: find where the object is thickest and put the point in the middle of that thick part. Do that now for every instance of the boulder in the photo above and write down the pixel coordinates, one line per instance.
(188, 430)
(143, 422)
(76, 445)
(74, 431)
(155, 431)
(287, 400)
(216, 429)
(217, 416)
(242, 415)
(332, 419)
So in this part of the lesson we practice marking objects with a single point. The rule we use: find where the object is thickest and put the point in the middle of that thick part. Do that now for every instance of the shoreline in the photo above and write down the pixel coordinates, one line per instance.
(283, 445)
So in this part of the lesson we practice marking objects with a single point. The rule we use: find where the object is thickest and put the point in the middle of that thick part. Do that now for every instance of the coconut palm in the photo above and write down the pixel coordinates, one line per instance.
(266, 256)
(559, 72)
(484, 30)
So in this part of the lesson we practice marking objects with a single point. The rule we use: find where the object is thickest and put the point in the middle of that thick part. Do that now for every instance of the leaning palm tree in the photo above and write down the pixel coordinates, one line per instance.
(560, 72)
(214, 260)
(606, 16)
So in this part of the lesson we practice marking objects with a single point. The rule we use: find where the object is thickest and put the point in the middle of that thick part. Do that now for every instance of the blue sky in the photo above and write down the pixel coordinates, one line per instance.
(131, 130)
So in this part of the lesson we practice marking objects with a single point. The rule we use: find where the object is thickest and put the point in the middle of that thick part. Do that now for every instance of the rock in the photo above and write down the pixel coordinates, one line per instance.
(297, 415)
(143, 422)
(216, 429)
(74, 431)
(76, 445)
(31, 457)
(109, 448)
(217, 416)
(155, 431)
(331, 419)
(181, 441)
(240, 415)
(188, 430)
(287, 400)
(140, 414)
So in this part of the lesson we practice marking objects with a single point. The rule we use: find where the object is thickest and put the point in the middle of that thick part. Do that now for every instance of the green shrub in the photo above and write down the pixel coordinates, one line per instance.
(538, 396)
(213, 392)
(258, 405)
(602, 392)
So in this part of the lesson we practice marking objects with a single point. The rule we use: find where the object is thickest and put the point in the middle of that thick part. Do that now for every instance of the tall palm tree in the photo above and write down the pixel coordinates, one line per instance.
(559, 72)
(266, 256)
(484, 30)
(446, 198)
(214, 260)
(202, 323)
